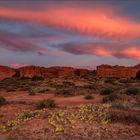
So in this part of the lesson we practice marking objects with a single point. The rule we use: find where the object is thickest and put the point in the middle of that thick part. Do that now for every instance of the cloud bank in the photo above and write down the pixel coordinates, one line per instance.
(103, 22)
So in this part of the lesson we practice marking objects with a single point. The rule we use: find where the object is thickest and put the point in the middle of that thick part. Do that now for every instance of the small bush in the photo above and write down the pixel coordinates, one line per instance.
(88, 97)
(2, 100)
(110, 98)
(66, 83)
(37, 78)
(89, 86)
(107, 91)
(24, 78)
(27, 115)
(120, 106)
(123, 116)
(49, 103)
(31, 92)
(63, 92)
(132, 91)
(138, 75)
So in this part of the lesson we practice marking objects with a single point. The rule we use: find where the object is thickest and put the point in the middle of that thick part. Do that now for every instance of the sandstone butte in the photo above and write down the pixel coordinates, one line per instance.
(102, 71)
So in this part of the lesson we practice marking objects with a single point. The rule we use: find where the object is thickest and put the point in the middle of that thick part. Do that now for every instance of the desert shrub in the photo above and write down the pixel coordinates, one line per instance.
(2, 100)
(17, 74)
(109, 80)
(121, 106)
(132, 91)
(89, 86)
(63, 92)
(138, 75)
(49, 103)
(88, 97)
(27, 115)
(24, 78)
(124, 116)
(107, 91)
(31, 92)
(123, 80)
(37, 78)
(66, 83)
(110, 98)
(10, 90)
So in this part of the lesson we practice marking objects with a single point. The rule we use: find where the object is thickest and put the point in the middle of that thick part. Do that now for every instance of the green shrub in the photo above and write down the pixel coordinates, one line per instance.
(2, 100)
(110, 98)
(37, 78)
(88, 97)
(107, 91)
(132, 91)
(49, 103)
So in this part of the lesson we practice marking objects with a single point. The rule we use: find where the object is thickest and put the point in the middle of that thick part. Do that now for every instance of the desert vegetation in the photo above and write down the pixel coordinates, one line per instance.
(64, 106)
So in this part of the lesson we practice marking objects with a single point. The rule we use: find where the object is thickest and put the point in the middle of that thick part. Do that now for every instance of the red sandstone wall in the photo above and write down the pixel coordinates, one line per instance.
(6, 72)
(31, 71)
(119, 71)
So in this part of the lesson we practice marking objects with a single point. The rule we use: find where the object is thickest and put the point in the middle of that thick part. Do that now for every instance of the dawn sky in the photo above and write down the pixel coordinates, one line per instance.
(69, 33)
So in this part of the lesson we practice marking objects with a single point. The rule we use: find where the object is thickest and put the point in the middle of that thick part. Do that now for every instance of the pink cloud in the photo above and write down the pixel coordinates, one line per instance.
(103, 21)
(133, 53)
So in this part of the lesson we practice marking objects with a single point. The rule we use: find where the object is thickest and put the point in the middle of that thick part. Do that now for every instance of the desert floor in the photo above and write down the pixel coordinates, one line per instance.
(71, 108)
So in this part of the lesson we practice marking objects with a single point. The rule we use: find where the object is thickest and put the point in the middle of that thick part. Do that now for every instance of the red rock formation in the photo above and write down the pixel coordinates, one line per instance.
(6, 72)
(117, 71)
(81, 72)
(30, 71)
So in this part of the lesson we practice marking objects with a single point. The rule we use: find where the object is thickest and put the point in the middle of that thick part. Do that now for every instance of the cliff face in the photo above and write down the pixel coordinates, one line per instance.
(117, 71)
(102, 71)
(6, 72)
(31, 71)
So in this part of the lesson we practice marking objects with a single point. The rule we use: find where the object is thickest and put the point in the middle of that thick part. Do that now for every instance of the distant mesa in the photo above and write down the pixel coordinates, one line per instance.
(102, 71)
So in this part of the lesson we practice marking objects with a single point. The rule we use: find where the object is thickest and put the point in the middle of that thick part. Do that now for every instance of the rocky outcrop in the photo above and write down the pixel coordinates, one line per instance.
(6, 72)
(102, 71)
(30, 71)
(117, 71)
(82, 72)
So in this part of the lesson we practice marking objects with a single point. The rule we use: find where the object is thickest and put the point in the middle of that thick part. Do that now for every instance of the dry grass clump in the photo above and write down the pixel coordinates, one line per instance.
(49, 103)
(63, 92)
(88, 97)
(133, 91)
(111, 98)
(2, 100)
(124, 116)
(107, 91)
(37, 78)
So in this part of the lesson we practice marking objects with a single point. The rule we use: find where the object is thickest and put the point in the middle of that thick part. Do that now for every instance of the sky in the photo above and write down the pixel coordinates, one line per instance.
(80, 33)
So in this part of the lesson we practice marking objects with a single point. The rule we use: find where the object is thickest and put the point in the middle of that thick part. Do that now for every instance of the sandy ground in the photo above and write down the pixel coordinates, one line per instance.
(37, 128)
